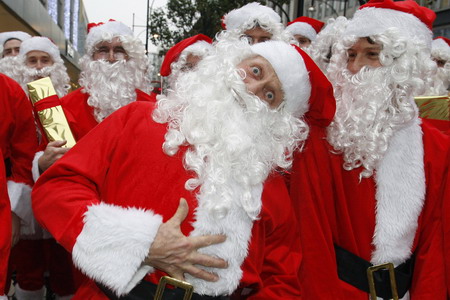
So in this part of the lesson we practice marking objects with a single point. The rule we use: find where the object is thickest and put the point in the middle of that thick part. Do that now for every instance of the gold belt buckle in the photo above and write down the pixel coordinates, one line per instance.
(165, 280)
(390, 268)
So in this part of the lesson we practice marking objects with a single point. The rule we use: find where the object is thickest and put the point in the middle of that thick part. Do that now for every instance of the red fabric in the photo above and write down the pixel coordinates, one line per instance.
(316, 24)
(48, 102)
(334, 207)
(446, 223)
(18, 140)
(322, 104)
(175, 51)
(128, 168)
(5, 227)
(424, 14)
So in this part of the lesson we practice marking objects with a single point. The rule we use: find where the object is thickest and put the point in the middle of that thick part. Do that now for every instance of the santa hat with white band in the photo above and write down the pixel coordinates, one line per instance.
(40, 43)
(308, 27)
(247, 14)
(17, 35)
(105, 32)
(306, 89)
(377, 16)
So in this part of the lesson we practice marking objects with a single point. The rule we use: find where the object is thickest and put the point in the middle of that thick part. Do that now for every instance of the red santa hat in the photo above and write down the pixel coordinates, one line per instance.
(308, 27)
(376, 16)
(306, 89)
(194, 45)
(105, 31)
(40, 43)
(251, 12)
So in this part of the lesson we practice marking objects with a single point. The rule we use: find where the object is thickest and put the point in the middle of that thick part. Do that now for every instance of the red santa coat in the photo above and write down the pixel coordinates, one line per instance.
(335, 207)
(446, 224)
(105, 199)
(18, 143)
(5, 227)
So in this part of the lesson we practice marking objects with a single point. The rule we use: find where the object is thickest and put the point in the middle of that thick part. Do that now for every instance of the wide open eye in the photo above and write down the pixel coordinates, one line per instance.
(269, 96)
(256, 71)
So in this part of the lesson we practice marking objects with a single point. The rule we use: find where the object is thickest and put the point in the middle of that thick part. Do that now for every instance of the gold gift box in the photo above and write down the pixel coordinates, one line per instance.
(434, 107)
(52, 119)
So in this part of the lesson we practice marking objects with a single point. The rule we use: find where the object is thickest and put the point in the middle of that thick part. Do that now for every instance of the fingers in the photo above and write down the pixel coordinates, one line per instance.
(181, 213)
(207, 240)
(57, 143)
(200, 273)
(209, 261)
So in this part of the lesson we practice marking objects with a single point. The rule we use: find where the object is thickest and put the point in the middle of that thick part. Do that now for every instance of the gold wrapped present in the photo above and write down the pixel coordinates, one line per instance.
(48, 108)
(434, 107)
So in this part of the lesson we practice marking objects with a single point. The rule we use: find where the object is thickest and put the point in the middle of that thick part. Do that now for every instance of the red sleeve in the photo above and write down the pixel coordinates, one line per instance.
(446, 223)
(5, 227)
(81, 171)
(18, 131)
(271, 270)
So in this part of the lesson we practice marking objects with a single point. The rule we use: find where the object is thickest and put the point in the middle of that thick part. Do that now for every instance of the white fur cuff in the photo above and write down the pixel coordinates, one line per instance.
(20, 198)
(113, 244)
(35, 165)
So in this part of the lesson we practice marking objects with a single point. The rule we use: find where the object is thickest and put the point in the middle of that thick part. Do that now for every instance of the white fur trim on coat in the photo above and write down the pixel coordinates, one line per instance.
(400, 195)
(20, 198)
(113, 244)
(304, 29)
(35, 165)
(237, 226)
(3, 297)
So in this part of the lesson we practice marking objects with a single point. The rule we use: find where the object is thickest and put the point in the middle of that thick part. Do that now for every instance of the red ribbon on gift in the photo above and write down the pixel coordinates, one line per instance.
(48, 102)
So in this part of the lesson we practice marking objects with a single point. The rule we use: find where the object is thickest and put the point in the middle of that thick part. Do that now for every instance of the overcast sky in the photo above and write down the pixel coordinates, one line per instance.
(121, 10)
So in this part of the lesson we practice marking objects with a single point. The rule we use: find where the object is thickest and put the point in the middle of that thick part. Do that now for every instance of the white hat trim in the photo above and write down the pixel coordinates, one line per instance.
(439, 43)
(106, 32)
(371, 21)
(40, 43)
(304, 29)
(199, 48)
(252, 11)
(291, 71)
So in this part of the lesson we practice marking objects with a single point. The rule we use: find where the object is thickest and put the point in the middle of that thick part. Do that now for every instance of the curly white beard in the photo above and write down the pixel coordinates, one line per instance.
(7, 65)
(369, 110)
(110, 86)
(440, 83)
(57, 73)
(235, 139)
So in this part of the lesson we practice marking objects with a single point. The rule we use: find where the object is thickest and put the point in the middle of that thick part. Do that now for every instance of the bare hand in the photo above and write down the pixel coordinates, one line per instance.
(15, 229)
(52, 153)
(176, 254)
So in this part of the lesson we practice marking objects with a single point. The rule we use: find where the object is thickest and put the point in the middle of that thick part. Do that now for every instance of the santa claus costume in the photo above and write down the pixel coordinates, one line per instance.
(123, 188)
(371, 194)
(5, 230)
(175, 62)
(305, 27)
(252, 15)
(18, 142)
(37, 253)
(8, 61)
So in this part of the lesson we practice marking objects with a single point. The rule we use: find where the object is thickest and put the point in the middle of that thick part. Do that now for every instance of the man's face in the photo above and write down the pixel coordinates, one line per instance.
(302, 40)
(38, 60)
(110, 51)
(191, 61)
(257, 35)
(262, 81)
(11, 48)
(363, 53)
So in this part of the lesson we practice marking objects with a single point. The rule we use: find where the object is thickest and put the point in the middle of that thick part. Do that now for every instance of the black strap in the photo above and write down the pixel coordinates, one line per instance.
(146, 291)
(353, 270)
(8, 167)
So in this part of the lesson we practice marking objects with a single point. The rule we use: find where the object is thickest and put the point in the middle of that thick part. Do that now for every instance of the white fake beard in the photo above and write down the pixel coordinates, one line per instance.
(7, 66)
(57, 73)
(235, 139)
(369, 110)
(110, 85)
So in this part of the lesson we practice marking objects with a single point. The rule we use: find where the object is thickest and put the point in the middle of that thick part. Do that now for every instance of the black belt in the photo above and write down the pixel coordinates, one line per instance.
(146, 291)
(354, 270)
